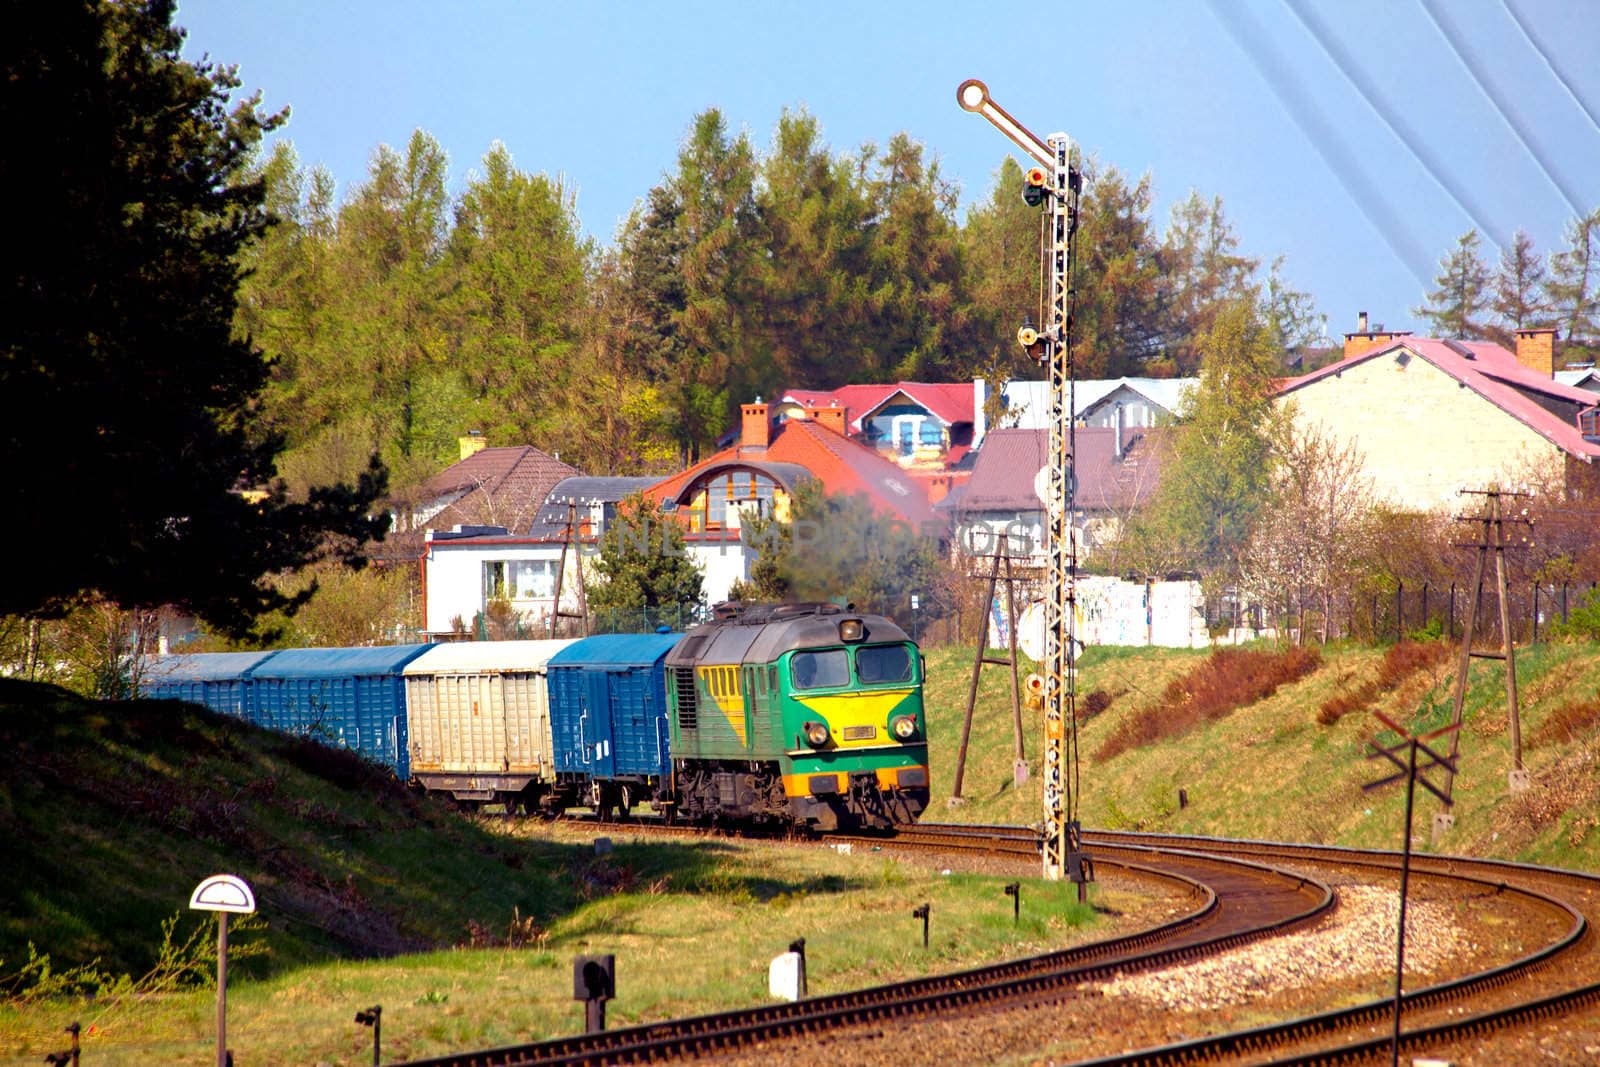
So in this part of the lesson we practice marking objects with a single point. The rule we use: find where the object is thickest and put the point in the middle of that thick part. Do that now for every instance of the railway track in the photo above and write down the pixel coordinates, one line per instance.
(1241, 891)
(1234, 901)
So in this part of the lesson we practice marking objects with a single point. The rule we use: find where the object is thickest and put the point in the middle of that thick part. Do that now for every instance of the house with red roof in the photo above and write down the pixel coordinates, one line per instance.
(759, 473)
(923, 427)
(1433, 417)
(486, 487)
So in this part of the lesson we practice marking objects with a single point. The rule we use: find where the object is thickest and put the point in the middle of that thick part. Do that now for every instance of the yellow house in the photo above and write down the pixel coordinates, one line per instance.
(1433, 417)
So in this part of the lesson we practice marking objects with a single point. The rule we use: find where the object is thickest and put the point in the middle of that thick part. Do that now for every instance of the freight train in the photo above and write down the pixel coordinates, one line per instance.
(808, 715)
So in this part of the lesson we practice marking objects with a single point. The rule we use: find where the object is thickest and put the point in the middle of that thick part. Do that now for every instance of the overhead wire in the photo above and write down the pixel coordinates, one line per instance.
(1325, 140)
(1508, 114)
(1549, 61)
(1443, 175)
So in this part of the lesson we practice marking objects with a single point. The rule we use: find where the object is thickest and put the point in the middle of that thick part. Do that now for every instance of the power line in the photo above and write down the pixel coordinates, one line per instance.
(1325, 139)
(1413, 142)
(1544, 53)
(1469, 60)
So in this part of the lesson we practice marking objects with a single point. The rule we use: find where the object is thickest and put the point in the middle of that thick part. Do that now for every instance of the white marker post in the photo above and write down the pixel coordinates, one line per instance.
(223, 893)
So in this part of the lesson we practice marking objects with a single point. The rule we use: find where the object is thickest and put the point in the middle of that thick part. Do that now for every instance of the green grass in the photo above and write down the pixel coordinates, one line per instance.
(1271, 770)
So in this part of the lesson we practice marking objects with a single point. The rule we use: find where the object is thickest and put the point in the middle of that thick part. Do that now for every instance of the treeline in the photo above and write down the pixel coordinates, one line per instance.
(397, 317)
(1472, 300)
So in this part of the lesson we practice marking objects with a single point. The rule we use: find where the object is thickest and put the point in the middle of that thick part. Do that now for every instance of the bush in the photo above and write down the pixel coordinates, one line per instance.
(1583, 620)
(1226, 680)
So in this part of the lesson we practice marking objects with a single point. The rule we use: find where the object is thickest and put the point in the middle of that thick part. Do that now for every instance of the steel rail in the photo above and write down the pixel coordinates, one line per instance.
(1019, 979)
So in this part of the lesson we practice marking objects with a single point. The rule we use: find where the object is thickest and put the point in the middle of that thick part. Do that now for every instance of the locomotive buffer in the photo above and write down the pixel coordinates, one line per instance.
(1054, 184)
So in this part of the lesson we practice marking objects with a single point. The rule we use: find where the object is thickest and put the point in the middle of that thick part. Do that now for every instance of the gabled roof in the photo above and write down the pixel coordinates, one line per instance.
(1011, 459)
(949, 402)
(1585, 378)
(839, 463)
(1493, 373)
(1033, 397)
(499, 486)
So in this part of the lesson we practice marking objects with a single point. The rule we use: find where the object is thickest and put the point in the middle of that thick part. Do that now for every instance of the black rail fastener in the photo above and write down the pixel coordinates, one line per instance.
(922, 913)
(1014, 891)
(373, 1017)
(798, 947)
(594, 981)
(66, 1056)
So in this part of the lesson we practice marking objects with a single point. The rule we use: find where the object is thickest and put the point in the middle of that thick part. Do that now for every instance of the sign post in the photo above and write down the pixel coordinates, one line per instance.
(223, 894)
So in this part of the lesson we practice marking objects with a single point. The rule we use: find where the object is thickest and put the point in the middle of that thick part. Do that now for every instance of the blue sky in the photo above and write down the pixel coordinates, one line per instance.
(1350, 137)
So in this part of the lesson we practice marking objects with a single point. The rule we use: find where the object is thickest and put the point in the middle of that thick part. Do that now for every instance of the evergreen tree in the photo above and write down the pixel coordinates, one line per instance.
(1204, 273)
(1455, 308)
(1519, 287)
(1000, 250)
(1122, 320)
(643, 566)
(117, 331)
(1292, 315)
(1573, 289)
(813, 283)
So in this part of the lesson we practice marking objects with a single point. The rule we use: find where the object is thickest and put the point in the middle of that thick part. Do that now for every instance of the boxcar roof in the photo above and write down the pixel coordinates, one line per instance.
(201, 666)
(616, 650)
(338, 662)
(456, 657)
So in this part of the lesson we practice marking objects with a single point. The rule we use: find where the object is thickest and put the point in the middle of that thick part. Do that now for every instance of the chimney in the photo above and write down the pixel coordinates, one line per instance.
(1116, 440)
(755, 432)
(473, 443)
(1536, 350)
(831, 416)
(1368, 336)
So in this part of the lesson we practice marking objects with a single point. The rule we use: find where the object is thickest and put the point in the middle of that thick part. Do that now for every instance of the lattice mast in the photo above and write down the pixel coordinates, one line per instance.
(1055, 184)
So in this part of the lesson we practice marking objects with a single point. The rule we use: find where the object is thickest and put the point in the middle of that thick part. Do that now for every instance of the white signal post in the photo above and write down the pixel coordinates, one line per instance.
(224, 894)
(1062, 845)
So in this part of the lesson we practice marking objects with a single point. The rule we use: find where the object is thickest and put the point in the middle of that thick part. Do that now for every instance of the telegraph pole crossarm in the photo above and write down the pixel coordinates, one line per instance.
(1055, 185)
(1411, 774)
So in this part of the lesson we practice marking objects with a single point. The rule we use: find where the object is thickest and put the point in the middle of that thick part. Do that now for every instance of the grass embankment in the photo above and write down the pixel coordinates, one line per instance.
(1291, 765)
(110, 814)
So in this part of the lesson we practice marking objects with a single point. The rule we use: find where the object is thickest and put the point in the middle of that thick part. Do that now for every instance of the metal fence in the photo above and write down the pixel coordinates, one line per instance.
(1406, 609)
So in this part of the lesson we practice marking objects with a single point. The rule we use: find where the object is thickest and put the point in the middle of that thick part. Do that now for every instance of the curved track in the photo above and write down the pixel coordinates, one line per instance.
(1235, 901)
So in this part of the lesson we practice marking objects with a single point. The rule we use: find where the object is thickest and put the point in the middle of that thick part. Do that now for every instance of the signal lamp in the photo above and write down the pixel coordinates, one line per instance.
(851, 630)
(816, 734)
(904, 727)
(1033, 186)
(1027, 336)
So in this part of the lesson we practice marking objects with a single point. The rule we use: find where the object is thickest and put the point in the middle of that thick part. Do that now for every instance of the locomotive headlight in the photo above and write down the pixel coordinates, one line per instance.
(904, 727)
(816, 734)
(851, 630)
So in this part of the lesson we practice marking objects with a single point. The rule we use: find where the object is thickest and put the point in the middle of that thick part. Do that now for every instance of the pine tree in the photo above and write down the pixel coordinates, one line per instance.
(117, 331)
(1000, 251)
(1204, 273)
(1122, 323)
(1519, 287)
(1455, 307)
(1573, 289)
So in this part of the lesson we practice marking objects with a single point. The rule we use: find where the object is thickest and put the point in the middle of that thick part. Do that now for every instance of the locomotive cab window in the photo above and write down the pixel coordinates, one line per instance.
(883, 663)
(814, 670)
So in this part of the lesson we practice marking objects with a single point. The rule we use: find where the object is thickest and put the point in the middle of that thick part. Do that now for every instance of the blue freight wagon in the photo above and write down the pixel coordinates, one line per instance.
(608, 719)
(347, 697)
(217, 680)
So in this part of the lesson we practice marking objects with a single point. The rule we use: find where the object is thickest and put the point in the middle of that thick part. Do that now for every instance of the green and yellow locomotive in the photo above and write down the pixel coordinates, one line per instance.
(803, 713)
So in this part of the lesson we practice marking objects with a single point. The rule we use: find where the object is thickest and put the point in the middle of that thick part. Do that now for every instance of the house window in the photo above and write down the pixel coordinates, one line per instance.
(494, 580)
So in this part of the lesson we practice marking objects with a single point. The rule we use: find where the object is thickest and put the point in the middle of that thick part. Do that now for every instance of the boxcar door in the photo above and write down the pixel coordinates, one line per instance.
(596, 724)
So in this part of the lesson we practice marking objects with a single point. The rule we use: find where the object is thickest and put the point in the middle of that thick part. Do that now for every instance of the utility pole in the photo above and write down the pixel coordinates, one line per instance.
(1055, 185)
(1491, 538)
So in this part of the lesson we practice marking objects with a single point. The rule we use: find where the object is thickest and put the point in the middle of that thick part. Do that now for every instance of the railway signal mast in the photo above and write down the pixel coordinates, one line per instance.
(1055, 185)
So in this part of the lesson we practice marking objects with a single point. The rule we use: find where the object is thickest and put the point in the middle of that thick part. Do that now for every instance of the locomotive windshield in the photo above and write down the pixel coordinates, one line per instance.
(813, 670)
(883, 663)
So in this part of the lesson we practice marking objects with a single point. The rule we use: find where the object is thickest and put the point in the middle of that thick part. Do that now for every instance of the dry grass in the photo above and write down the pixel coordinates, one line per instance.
(1567, 724)
(1096, 702)
(1403, 660)
(1224, 681)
